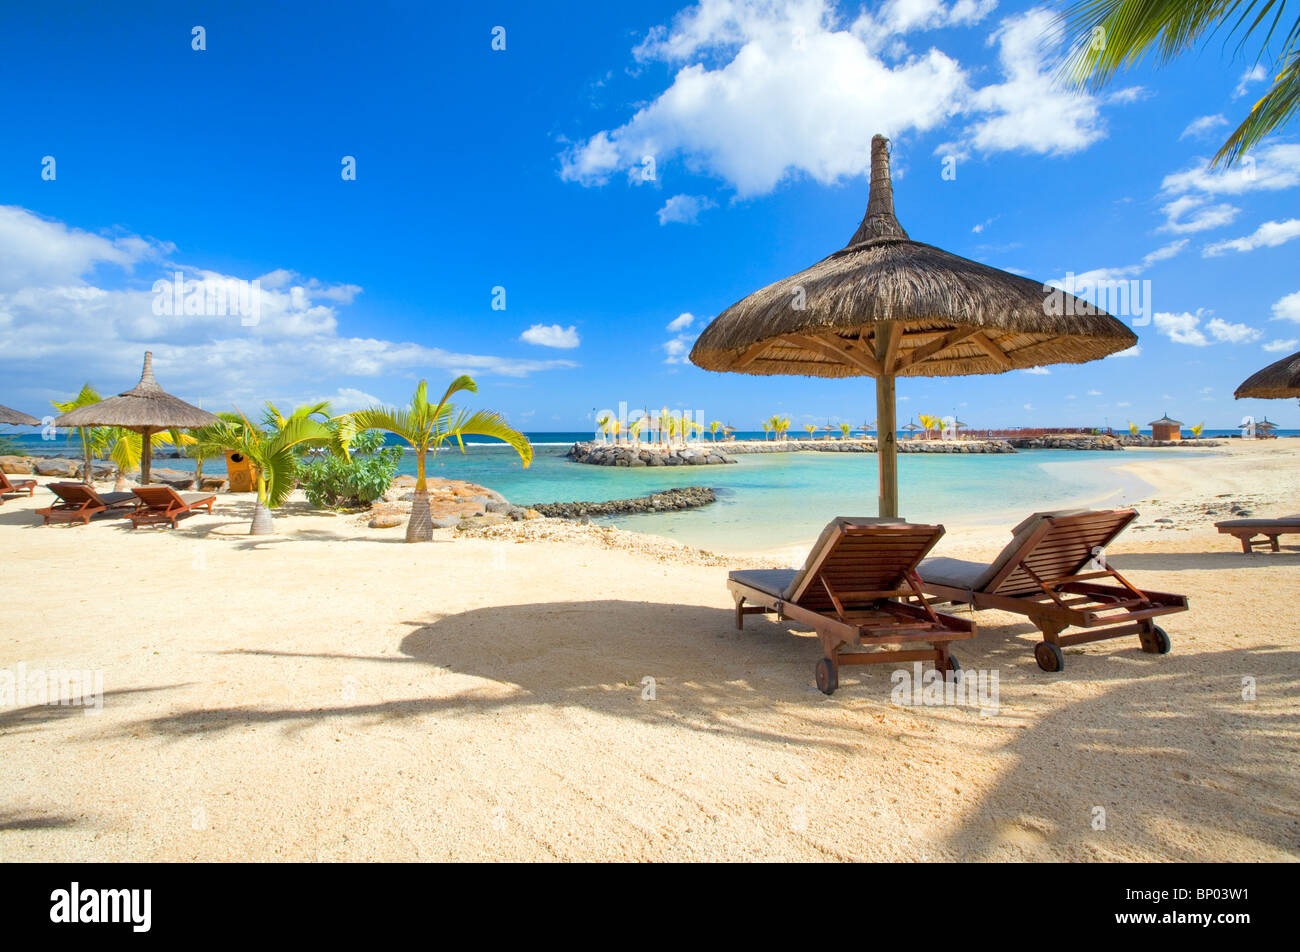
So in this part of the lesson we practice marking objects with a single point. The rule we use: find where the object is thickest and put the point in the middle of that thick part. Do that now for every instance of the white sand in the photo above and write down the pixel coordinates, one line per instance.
(333, 693)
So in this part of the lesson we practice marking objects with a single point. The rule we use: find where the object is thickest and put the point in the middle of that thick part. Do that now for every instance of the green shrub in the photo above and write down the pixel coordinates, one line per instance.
(337, 483)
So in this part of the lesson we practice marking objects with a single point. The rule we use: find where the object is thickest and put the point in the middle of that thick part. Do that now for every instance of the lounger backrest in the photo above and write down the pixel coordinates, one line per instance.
(859, 554)
(159, 497)
(76, 493)
(4, 482)
(1052, 545)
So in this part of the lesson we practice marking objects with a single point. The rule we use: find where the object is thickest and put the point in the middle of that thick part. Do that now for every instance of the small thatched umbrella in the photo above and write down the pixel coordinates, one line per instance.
(885, 306)
(146, 408)
(17, 417)
(1275, 382)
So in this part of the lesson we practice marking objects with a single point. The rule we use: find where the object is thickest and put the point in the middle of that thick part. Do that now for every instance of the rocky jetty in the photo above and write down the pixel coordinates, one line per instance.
(689, 497)
(605, 454)
(1128, 439)
(1066, 443)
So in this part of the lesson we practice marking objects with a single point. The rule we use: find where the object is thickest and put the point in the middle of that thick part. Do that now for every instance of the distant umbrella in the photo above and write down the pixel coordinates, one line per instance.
(17, 417)
(146, 408)
(886, 306)
(1277, 381)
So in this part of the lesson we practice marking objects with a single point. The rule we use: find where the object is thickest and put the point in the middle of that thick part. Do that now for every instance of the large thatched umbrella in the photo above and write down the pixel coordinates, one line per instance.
(17, 417)
(1275, 382)
(885, 306)
(146, 408)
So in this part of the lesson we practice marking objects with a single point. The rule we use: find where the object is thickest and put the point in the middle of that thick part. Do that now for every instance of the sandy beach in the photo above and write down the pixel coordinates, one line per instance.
(331, 693)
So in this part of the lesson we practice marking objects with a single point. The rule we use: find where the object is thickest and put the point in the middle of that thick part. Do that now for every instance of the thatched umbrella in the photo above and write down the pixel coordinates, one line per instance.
(146, 408)
(17, 417)
(1277, 381)
(885, 306)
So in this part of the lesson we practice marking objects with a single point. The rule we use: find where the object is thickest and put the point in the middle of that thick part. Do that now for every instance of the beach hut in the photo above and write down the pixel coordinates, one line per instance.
(1166, 429)
(17, 417)
(1277, 381)
(146, 408)
(885, 306)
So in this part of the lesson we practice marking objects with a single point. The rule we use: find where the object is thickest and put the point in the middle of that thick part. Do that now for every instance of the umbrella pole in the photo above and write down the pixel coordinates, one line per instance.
(886, 446)
(146, 455)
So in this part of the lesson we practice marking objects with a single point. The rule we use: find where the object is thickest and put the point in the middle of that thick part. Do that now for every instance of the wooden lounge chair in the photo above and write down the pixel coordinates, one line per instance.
(1270, 529)
(80, 503)
(164, 504)
(858, 589)
(12, 487)
(1043, 573)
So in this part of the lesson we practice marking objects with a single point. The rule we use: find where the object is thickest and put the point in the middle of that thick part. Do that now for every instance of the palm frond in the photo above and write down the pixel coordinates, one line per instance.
(1275, 108)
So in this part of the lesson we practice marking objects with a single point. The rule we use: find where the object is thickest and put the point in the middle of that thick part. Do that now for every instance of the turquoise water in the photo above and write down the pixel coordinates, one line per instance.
(772, 500)
(767, 501)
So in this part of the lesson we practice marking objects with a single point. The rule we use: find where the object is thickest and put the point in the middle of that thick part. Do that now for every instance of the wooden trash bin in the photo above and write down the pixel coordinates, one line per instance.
(240, 472)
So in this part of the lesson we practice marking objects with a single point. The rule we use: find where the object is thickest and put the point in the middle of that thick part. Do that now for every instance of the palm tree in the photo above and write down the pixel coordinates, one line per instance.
(1196, 430)
(845, 429)
(605, 421)
(767, 428)
(811, 428)
(1132, 428)
(665, 425)
(426, 427)
(273, 451)
(1110, 35)
(714, 427)
(634, 429)
(784, 424)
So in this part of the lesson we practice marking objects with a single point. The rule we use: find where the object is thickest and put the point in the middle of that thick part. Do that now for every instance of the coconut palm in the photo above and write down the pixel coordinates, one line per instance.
(812, 430)
(634, 430)
(845, 430)
(714, 427)
(767, 428)
(1132, 428)
(1196, 430)
(1110, 35)
(273, 451)
(427, 427)
(605, 421)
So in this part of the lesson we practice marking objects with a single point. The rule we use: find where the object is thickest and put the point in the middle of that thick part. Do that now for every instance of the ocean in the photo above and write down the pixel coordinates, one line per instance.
(766, 501)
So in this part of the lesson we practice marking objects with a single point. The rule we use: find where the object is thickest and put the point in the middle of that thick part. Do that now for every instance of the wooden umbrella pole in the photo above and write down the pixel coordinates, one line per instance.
(886, 446)
(146, 455)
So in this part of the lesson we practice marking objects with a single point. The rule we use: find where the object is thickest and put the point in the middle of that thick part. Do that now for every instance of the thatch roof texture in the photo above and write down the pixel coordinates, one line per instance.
(956, 316)
(1277, 381)
(17, 417)
(1165, 421)
(146, 406)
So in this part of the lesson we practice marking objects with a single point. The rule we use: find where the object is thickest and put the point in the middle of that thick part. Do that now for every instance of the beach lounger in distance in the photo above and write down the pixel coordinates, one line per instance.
(10, 487)
(1044, 574)
(858, 589)
(1246, 530)
(164, 504)
(81, 503)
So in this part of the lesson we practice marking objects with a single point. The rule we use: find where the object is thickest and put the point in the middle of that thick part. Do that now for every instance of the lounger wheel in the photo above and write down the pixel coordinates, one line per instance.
(955, 667)
(827, 680)
(1049, 656)
(1162, 642)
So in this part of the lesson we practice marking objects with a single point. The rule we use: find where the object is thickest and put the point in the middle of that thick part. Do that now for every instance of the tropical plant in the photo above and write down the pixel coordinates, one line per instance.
(354, 480)
(427, 427)
(273, 451)
(1110, 35)
(1196, 430)
(714, 427)
(665, 427)
(124, 447)
(634, 429)
(812, 430)
(1132, 428)
(845, 430)
(767, 428)
(605, 422)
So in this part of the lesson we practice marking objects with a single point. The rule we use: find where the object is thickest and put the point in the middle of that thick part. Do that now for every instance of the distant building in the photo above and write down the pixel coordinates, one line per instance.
(1166, 429)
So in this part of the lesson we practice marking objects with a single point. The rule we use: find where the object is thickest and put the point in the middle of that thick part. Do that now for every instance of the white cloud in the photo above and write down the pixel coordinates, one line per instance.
(1094, 393)
(1281, 346)
(681, 322)
(1269, 169)
(1255, 74)
(1202, 216)
(904, 16)
(1203, 125)
(1134, 351)
(1223, 331)
(1287, 308)
(1123, 403)
(684, 209)
(1268, 235)
(1030, 111)
(551, 335)
(678, 350)
(1185, 328)
(76, 306)
(1181, 328)
(1039, 371)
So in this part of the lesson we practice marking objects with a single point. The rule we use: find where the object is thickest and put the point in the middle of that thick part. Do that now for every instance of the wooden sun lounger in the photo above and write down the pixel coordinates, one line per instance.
(1043, 574)
(858, 589)
(9, 487)
(164, 504)
(1270, 529)
(81, 503)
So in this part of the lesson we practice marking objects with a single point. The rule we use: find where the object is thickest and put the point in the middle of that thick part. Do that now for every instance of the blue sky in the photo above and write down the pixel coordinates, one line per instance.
(524, 169)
